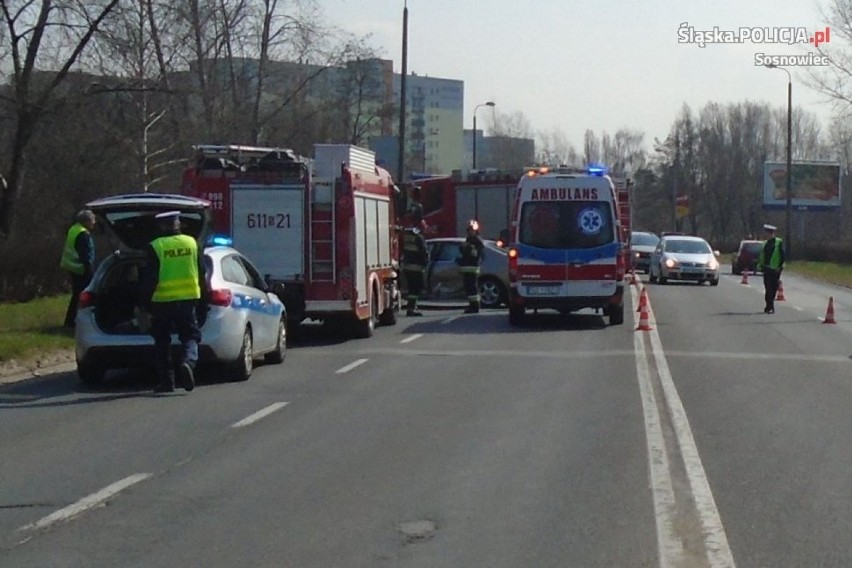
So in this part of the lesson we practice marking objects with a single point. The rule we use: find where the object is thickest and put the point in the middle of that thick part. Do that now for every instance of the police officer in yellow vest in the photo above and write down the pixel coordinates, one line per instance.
(78, 259)
(770, 261)
(175, 282)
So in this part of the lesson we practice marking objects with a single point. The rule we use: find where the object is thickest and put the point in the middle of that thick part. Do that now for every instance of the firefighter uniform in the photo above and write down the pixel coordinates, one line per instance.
(415, 257)
(78, 259)
(771, 262)
(175, 284)
(471, 258)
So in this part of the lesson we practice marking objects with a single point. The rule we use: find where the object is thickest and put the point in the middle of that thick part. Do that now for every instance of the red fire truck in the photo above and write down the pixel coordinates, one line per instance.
(449, 202)
(320, 230)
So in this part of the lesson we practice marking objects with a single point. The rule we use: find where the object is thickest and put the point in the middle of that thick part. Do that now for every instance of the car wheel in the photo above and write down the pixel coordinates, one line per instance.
(714, 282)
(364, 328)
(90, 374)
(243, 365)
(491, 293)
(616, 314)
(277, 356)
(516, 316)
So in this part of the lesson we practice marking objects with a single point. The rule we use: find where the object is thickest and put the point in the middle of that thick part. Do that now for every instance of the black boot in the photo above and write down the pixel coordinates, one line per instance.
(165, 384)
(411, 309)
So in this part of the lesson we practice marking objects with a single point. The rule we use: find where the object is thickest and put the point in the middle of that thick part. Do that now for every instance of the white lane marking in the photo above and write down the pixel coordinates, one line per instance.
(252, 418)
(450, 319)
(86, 503)
(411, 338)
(671, 551)
(351, 366)
(716, 547)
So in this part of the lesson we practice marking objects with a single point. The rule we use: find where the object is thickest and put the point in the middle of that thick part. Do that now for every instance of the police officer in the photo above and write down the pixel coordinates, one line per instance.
(771, 262)
(415, 257)
(471, 258)
(78, 259)
(175, 281)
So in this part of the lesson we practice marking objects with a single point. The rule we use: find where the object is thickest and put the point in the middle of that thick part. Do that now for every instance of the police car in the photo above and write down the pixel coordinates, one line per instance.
(243, 320)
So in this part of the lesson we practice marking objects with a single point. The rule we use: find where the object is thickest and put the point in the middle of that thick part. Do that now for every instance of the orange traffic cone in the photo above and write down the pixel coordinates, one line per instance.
(643, 301)
(829, 313)
(745, 278)
(643, 313)
(779, 296)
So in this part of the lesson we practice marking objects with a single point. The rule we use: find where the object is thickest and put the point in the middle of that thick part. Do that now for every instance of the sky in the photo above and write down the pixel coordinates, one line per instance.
(574, 65)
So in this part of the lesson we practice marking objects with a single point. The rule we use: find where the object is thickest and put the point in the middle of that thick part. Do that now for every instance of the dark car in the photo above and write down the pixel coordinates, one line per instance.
(746, 256)
(642, 244)
(444, 278)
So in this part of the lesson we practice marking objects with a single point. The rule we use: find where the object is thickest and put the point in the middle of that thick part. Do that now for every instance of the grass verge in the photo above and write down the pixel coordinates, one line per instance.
(33, 328)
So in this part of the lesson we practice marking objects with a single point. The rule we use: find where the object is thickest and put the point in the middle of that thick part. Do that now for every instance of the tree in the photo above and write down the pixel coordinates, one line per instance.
(32, 29)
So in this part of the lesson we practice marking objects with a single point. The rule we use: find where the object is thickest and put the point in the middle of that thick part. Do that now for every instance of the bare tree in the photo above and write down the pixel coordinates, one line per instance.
(48, 33)
(591, 147)
(555, 149)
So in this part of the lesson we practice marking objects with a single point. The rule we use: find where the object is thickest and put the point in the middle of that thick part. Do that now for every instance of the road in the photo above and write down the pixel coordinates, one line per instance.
(718, 438)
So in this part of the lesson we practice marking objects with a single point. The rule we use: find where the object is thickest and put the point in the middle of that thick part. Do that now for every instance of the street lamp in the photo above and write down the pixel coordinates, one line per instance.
(490, 104)
(789, 177)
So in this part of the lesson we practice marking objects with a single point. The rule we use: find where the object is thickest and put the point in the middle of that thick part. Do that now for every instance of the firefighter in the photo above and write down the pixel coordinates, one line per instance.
(771, 262)
(415, 257)
(174, 283)
(78, 259)
(471, 258)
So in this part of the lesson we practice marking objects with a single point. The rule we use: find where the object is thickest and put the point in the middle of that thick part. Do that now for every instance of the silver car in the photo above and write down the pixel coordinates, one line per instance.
(444, 279)
(680, 257)
(244, 319)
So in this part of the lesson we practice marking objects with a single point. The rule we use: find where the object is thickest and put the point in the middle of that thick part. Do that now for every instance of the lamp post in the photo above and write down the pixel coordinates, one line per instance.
(788, 233)
(490, 104)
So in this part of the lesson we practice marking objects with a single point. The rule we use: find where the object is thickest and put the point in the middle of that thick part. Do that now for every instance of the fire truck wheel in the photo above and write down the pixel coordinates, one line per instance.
(388, 316)
(364, 328)
(242, 366)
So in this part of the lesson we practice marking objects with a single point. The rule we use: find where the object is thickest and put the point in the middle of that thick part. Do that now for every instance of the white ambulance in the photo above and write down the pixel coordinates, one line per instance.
(567, 250)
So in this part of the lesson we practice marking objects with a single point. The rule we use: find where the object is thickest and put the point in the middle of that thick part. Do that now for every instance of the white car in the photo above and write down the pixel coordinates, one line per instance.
(244, 319)
(681, 257)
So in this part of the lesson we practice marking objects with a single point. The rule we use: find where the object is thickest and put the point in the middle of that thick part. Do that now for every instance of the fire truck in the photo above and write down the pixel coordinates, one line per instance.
(449, 202)
(321, 230)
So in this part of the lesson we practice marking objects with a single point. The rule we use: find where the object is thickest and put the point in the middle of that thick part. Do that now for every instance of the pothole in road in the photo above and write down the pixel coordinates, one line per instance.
(418, 531)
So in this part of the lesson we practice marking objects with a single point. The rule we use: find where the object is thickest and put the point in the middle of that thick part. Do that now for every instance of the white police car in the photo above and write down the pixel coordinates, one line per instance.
(244, 319)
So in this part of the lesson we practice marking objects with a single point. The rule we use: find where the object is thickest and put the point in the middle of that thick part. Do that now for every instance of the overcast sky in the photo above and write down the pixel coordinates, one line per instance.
(603, 65)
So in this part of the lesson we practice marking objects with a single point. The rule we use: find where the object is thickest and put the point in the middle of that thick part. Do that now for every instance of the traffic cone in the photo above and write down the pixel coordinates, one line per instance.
(643, 301)
(643, 313)
(829, 313)
(779, 295)
(745, 278)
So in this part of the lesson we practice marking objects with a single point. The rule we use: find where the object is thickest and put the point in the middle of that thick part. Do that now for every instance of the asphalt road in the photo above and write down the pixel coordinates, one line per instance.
(720, 437)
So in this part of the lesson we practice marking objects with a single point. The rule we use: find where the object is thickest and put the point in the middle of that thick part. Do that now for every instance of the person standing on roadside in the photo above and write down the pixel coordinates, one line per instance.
(471, 257)
(415, 257)
(78, 259)
(175, 282)
(771, 262)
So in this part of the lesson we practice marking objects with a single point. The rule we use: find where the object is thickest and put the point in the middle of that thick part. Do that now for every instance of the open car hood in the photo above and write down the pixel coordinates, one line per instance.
(129, 218)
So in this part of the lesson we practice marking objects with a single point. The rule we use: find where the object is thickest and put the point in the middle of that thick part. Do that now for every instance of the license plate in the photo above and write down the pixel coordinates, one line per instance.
(542, 290)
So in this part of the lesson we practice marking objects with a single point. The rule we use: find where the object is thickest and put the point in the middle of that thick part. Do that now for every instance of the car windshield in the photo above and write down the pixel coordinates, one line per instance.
(753, 248)
(566, 224)
(687, 247)
(644, 239)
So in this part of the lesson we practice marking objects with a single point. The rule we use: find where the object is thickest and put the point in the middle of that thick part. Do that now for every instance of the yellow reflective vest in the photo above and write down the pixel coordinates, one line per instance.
(178, 276)
(70, 260)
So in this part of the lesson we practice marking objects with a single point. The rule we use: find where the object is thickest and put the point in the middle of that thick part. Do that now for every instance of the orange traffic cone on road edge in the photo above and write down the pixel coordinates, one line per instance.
(643, 312)
(829, 312)
(745, 278)
(643, 301)
(779, 295)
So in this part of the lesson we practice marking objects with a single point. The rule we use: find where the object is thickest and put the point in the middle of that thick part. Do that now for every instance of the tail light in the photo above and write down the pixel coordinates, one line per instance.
(621, 265)
(220, 297)
(85, 300)
(513, 264)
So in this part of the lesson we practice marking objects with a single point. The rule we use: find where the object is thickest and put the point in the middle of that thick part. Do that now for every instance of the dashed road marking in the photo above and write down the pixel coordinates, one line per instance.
(252, 418)
(351, 366)
(411, 338)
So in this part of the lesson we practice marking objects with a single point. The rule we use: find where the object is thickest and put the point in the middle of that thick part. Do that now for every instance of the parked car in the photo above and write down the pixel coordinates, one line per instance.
(642, 244)
(244, 318)
(679, 257)
(746, 256)
(444, 279)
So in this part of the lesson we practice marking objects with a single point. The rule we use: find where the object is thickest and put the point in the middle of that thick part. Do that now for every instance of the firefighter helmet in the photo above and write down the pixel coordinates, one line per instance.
(473, 224)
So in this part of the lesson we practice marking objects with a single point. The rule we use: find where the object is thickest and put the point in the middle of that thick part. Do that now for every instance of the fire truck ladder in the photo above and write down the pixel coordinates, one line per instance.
(321, 236)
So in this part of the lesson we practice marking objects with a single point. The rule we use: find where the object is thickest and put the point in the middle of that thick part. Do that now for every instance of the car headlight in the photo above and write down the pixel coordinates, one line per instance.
(671, 263)
(712, 264)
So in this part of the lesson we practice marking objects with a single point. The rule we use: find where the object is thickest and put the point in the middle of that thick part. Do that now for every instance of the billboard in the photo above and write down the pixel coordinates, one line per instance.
(814, 185)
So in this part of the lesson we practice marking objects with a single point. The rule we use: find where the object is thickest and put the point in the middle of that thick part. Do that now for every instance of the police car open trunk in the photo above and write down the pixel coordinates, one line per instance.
(126, 226)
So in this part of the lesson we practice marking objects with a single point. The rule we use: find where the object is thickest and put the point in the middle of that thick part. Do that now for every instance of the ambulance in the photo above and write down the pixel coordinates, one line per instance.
(567, 244)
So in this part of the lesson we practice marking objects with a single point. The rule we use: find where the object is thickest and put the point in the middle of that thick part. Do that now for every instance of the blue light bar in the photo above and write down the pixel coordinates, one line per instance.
(596, 170)
(222, 241)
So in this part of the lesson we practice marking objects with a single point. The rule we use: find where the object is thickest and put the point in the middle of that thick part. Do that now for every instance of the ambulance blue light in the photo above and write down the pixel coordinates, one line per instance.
(596, 170)
(221, 241)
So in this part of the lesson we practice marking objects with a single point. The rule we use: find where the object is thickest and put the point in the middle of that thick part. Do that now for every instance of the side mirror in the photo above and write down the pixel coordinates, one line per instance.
(716, 253)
